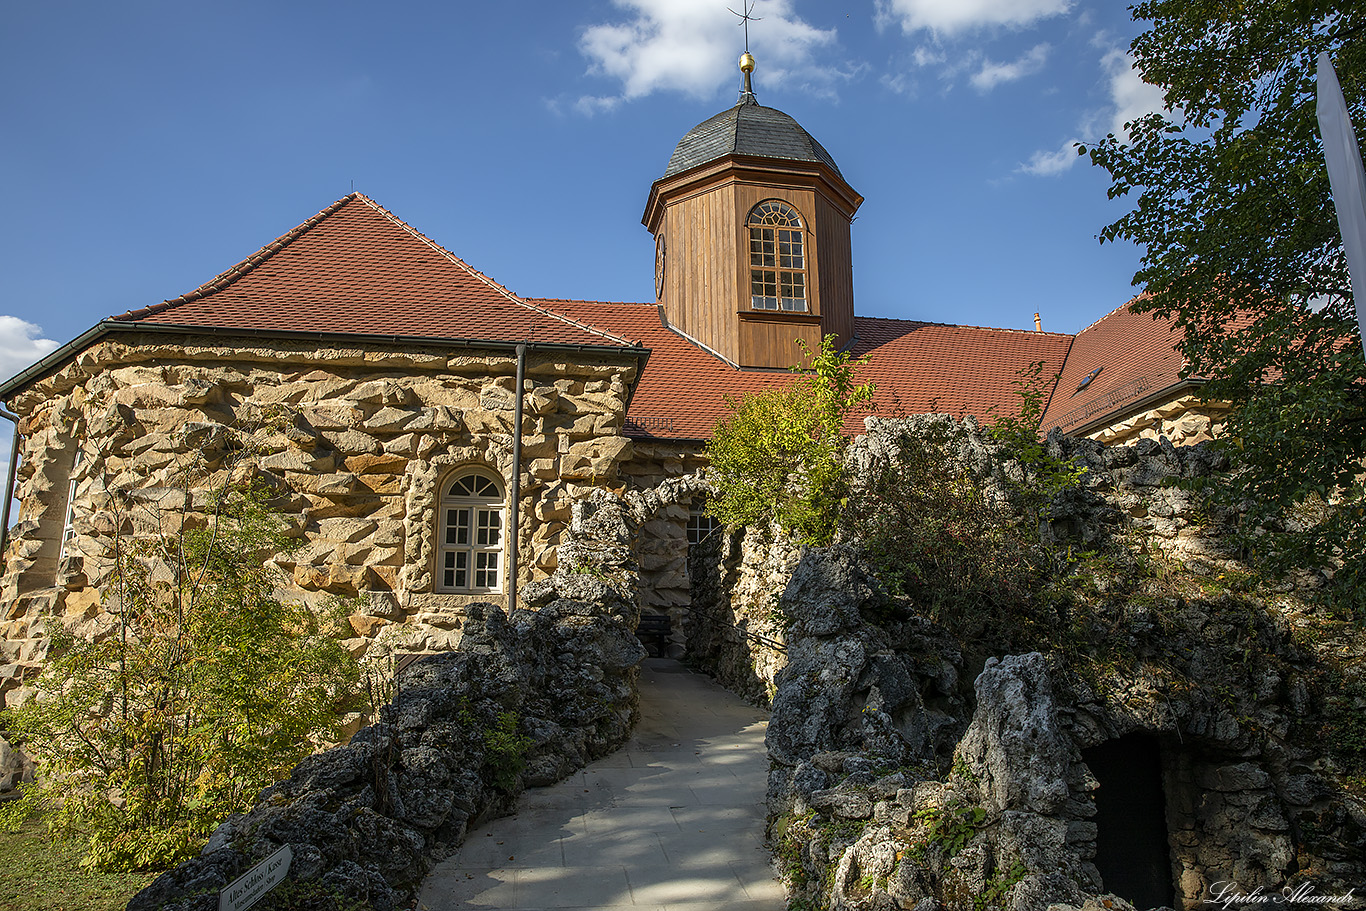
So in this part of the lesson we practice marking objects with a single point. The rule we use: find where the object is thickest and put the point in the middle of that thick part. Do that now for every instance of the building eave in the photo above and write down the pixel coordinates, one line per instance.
(1129, 409)
(108, 327)
(747, 167)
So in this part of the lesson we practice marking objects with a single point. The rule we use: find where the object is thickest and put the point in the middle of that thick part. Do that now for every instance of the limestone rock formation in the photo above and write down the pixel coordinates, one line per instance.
(913, 769)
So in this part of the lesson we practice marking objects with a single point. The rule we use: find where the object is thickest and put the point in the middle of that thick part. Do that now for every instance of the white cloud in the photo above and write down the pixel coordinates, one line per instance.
(20, 345)
(1130, 99)
(924, 56)
(1050, 164)
(991, 74)
(900, 84)
(948, 17)
(1130, 95)
(591, 104)
(690, 47)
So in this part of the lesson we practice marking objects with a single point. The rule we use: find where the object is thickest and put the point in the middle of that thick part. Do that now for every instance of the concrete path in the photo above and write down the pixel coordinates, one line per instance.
(673, 821)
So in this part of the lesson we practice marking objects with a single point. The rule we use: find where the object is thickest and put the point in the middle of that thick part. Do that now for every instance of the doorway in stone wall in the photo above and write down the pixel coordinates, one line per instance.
(1133, 854)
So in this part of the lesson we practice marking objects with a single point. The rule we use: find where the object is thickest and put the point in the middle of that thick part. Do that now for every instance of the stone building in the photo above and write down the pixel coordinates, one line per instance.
(383, 371)
(1122, 381)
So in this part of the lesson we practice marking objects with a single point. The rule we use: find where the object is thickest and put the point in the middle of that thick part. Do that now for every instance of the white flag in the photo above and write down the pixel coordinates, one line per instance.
(1348, 182)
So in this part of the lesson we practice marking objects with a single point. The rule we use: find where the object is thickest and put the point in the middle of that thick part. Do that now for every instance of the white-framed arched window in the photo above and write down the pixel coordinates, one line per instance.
(777, 257)
(470, 523)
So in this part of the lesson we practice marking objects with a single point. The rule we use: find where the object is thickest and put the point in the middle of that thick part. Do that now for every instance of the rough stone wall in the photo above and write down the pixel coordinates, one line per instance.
(1184, 421)
(366, 820)
(355, 442)
(1134, 494)
(736, 631)
(893, 784)
(665, 586)
(1128, 492)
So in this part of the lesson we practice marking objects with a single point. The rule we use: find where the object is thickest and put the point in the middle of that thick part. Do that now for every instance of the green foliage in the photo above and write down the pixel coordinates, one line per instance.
(208, 689)
(42, 873)
(923, 520)
(969, 563)
(790, 835)
(1046, 476)
(995, 890)
(1242, 247)
(590, 569)
(507, 750)
(1343, 731)
(308, 895)
(963, 771)
(779, 455)
(922, 516)
(950, 830)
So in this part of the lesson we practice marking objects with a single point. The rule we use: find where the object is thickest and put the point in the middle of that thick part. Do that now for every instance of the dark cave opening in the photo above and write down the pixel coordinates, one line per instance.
(1132, 850)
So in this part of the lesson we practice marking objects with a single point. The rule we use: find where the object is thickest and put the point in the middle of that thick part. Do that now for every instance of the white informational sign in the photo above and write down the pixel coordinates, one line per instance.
(247, 889)
(1349, 184)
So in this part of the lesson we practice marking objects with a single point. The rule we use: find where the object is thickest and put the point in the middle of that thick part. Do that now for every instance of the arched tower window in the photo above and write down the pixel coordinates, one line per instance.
(470, 534)
(777, 257)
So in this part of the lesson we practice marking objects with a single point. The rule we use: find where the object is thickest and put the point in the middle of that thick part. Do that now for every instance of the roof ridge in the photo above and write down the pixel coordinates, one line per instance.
(1124, 306)
(921, 322)
(575, 300)
(475, 273)
(227, 277)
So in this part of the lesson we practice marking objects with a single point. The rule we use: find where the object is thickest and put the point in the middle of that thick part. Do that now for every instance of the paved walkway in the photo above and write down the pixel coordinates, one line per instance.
(673, 821)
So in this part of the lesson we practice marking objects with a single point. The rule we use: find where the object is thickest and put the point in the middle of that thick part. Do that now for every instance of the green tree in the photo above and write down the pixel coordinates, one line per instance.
(779, 455)
(1241, 246)
(207, 689)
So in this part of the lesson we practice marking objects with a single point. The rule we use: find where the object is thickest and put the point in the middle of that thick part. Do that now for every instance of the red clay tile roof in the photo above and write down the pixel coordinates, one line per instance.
(1136, 355)
(958, 370)
(917, 367)
(355, 268)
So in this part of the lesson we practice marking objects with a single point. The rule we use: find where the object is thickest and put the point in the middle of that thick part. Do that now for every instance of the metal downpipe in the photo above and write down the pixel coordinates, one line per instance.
(514, 513)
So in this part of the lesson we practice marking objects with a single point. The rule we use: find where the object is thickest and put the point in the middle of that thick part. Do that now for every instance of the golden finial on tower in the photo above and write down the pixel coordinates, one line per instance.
(747, 59)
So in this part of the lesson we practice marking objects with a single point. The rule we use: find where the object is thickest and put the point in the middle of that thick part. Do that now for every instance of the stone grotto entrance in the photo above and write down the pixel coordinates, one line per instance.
(1132, 850)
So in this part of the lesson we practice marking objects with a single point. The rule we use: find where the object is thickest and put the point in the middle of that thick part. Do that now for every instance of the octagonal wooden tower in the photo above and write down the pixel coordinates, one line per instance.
(752, 250)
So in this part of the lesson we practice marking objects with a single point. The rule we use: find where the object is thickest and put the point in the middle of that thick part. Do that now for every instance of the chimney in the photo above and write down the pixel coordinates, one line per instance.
(1038, 323)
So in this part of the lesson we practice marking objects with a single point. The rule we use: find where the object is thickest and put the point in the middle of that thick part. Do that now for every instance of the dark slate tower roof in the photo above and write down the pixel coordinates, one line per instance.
(749, 128)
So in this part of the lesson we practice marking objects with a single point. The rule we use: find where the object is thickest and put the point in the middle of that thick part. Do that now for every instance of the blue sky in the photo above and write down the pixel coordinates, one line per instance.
(149, 145)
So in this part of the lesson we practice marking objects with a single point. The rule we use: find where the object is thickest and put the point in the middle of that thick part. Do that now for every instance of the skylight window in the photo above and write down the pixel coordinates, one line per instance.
(1086, 380)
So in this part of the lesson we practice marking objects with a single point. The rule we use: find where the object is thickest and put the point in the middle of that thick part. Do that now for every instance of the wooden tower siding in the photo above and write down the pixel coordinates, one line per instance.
(706, 287)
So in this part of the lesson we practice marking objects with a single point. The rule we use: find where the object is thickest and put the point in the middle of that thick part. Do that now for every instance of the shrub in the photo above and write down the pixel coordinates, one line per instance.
(208, 689)
(932, 534)
(969, 562)
(1018, 434)
(507, 751)
(779, 455)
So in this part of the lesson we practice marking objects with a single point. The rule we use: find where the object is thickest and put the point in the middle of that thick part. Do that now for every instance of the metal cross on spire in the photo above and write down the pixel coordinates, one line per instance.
(747, 59)
(745, 18)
